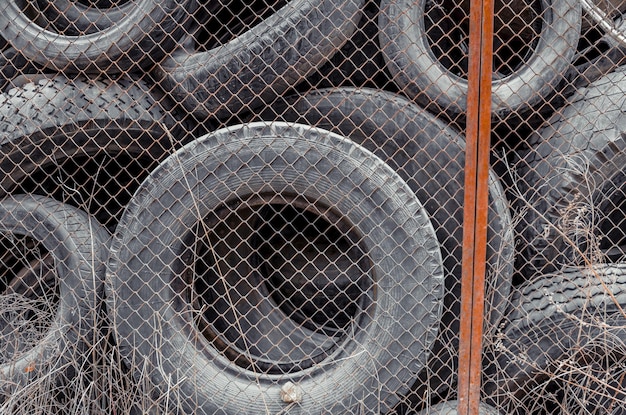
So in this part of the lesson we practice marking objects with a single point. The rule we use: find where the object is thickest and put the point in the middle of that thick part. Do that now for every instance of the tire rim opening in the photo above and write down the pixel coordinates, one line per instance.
(278, 286)
(516, 35)
(313, 270)
(233, 21)
(96, 183)
(29, 295)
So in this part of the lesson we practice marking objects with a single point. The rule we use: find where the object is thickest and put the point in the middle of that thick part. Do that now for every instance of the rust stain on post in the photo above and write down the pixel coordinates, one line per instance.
(476, 205)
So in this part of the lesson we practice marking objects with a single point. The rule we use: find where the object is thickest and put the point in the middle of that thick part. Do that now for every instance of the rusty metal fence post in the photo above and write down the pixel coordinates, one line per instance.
(476, 204)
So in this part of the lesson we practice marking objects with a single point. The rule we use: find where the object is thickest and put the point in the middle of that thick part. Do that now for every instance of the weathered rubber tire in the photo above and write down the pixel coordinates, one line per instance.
(552, 319)
(311, 266)
(79, 247)
(263, 62)
(574, 172)
(450, 408)
(429, 156)
(149, 30)
(378, 358)
(421, 76)
(46, 124)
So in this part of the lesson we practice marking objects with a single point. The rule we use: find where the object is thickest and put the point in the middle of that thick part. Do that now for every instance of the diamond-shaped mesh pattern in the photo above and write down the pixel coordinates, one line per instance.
(250, 207)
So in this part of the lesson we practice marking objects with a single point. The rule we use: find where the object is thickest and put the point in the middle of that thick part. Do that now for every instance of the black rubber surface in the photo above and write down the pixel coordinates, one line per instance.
(421, 75)
(77, 19)
(84, 141)
(12, 64)
(555, 319)
(141, 35)
(370, 366)
(263, 62)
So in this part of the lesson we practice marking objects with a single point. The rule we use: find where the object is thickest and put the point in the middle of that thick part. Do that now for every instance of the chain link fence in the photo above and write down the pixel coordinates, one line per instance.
(231, 207)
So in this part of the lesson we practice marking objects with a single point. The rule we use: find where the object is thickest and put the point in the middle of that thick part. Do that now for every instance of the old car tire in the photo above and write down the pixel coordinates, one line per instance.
(572, 182)
(552, 319)
(259, 160)
(47, 123)
(263, 62)
(149, 30)
(421, 76)
(78, 245)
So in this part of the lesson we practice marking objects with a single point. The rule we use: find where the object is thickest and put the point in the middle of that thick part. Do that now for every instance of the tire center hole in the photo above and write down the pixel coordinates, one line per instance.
(612, 224)
(516, 35)
(279, 286)
(29, 295)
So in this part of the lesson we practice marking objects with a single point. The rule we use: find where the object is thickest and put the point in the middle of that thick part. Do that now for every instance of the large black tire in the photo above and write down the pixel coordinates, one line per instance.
(75, 18)
(148, 31)
(573, 181)
(420, 74)
(78, 245)
(429, 155)
(368, 367)
(553, 320)
(56, 130)
(263, 62)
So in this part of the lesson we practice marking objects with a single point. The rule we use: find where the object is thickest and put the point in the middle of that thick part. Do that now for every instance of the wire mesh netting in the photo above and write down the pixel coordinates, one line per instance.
(231, 207)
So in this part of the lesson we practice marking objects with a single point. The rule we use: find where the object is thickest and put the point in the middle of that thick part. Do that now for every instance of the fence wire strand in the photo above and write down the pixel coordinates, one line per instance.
(219, 207)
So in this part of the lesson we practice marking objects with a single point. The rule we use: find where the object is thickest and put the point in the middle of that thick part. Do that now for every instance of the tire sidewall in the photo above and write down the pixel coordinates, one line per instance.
(327, 387)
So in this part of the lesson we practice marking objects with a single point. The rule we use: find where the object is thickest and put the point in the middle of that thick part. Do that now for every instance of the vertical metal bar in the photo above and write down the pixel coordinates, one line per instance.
(476, 205)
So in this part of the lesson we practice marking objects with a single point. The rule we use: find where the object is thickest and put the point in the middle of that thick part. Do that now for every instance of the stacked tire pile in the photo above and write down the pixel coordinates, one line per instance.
(229, 207)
